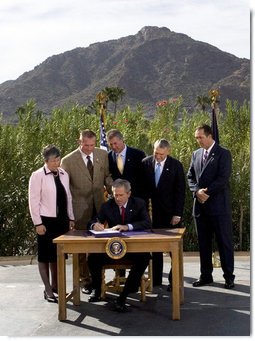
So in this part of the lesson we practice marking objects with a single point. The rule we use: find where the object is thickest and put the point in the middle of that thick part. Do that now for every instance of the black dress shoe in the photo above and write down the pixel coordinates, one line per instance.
(94, 296)
(120, 306)
(55, 291)
(229, 284)
(201, 282)
(48, 298)
(169, 287)
(86, 290)
(156, 283)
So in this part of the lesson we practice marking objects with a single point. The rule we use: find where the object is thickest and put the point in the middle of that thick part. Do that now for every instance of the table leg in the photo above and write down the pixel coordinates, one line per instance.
(175, 281)
(61, 283)
(181, 271)
(76, 279)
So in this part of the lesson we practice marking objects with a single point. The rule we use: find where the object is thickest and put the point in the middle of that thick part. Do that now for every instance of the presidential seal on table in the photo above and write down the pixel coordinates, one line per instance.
(116, 248)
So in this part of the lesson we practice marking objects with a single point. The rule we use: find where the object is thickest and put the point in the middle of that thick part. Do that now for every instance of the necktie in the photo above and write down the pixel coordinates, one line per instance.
(90, 166)
(120, 164)
(205, 157)
(157, 173)
(123, 214)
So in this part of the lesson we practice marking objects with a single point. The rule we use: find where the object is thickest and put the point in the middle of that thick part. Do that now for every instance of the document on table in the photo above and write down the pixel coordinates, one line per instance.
(106, 233)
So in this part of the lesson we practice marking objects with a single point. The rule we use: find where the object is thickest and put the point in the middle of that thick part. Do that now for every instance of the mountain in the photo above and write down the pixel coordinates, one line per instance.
(152, 65)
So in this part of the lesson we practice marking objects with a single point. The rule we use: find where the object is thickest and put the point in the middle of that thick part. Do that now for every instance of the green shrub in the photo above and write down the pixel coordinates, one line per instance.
(21, 145)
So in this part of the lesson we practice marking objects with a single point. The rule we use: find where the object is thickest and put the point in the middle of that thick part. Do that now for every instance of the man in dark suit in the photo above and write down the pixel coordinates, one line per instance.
(163, 183)
(125, 161)
(208, 179)
(122, 213)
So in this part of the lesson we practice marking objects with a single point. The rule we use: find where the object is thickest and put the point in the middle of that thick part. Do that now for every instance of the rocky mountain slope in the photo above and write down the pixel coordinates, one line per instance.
(154, 64)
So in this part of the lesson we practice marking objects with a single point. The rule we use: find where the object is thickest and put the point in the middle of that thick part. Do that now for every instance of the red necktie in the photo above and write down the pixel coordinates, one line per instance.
(123, 214)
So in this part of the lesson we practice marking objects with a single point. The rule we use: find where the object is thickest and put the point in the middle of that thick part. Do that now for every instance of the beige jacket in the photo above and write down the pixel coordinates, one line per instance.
(85, 191)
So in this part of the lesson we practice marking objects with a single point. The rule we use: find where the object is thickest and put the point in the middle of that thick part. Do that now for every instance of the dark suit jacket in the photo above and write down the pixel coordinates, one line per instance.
(215, 176)
(135, 214)
(132, 168)
(169, 196)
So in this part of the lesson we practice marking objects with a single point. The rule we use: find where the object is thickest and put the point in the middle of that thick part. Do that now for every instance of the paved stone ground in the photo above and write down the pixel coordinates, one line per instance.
(207, 311)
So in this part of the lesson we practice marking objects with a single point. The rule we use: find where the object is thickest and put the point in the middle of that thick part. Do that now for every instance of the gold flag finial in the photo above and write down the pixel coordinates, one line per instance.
(214, 95)
(102, 99)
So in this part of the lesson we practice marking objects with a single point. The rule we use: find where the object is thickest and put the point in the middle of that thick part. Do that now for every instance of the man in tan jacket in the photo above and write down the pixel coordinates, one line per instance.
(88, 169)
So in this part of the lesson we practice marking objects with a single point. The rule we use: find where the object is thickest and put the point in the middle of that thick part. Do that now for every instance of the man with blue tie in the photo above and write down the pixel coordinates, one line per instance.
(208, 180)
(163, 181)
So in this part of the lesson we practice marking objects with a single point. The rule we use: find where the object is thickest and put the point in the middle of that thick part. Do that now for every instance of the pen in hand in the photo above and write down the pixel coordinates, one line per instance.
(98, 226)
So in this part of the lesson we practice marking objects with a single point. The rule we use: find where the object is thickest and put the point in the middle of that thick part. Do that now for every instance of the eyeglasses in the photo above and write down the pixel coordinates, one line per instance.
(54, 160)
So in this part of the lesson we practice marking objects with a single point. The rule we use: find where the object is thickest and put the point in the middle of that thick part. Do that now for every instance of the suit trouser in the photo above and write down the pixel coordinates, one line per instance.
(140, 262)
(221, 226)
(157, 257)
(85, 276)
(84, 269)
(157, 268)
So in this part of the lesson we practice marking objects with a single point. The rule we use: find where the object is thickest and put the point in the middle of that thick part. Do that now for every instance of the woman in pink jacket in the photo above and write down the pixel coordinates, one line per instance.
(50, 205)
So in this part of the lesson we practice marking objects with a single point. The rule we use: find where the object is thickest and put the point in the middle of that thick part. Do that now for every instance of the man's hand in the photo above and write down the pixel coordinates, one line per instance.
(201, 195)
(175, 220)
(120, 228)
(98, 227)
(71, 225)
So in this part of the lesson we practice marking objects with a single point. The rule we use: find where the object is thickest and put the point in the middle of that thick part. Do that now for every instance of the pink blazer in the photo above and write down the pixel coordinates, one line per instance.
(42, 194)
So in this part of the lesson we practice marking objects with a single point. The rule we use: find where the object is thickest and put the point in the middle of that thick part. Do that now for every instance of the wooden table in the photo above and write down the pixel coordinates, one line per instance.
(158, 240)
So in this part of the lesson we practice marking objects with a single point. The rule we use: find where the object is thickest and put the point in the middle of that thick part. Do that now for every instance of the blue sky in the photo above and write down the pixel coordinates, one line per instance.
(31, 31)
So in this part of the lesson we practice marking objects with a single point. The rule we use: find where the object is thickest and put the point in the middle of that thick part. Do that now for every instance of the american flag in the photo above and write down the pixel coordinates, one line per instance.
(103, 141)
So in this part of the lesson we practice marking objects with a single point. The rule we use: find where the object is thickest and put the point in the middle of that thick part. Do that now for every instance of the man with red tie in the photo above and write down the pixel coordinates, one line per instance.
(208, 180)
(123, 213)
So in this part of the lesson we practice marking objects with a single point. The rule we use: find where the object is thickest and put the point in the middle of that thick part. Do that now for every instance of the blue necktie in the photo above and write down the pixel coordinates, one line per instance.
(157, 173)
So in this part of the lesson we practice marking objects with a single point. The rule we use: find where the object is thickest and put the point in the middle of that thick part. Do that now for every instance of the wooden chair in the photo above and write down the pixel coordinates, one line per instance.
(117, 283)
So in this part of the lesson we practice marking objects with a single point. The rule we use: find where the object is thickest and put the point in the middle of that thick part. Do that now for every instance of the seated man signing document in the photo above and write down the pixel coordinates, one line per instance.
(123, 213)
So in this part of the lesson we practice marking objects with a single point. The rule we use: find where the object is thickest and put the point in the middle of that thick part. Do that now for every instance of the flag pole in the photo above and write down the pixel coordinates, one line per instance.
(214, 95)
(102, 98)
